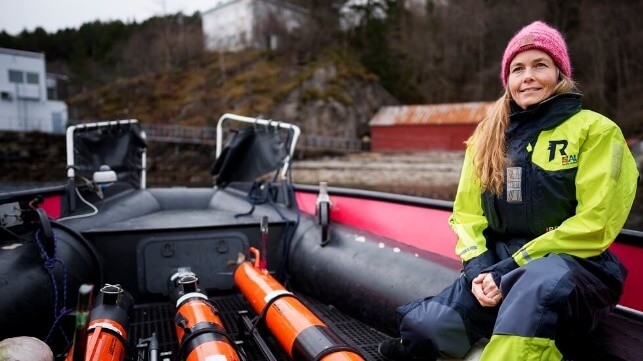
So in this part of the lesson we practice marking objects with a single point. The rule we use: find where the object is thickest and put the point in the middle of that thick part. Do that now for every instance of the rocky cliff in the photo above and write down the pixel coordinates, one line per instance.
(333, 95)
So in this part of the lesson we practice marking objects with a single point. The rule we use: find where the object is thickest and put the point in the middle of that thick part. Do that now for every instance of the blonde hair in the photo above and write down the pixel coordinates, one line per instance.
(490, 158)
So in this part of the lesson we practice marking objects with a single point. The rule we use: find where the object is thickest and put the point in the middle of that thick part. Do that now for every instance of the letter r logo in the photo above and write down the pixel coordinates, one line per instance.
(553, 144)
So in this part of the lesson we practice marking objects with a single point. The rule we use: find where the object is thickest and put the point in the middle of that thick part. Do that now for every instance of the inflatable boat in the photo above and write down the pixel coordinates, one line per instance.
(253, 268)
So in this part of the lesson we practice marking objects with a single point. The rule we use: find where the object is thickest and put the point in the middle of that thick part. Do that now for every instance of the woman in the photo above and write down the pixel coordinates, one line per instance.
(545, 189)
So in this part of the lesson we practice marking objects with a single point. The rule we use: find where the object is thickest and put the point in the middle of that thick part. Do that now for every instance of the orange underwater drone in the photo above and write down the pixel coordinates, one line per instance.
(199, 329)
(302, 334)
(107, 329)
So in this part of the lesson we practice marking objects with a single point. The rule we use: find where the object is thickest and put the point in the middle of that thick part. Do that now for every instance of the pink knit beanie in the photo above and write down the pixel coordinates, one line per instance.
(541, 36)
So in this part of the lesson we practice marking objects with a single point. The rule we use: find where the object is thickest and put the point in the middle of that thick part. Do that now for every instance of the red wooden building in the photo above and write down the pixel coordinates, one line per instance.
(425, 127)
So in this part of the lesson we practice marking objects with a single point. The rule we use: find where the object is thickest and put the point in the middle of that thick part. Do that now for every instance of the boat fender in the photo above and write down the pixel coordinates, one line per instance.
(316, 342)
(272, 298)
(298, 330)
(198, 326)
(108, 325)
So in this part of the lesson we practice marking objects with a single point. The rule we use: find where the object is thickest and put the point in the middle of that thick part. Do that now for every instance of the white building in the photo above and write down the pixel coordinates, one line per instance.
(241, 24)
(24, 85)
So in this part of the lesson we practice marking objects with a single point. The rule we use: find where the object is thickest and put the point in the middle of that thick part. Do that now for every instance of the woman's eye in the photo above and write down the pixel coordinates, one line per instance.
(516, 70)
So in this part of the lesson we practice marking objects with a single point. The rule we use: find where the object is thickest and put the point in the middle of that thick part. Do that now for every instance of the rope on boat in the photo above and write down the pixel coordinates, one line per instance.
(262, 193)
(256, 195)
(50, 265)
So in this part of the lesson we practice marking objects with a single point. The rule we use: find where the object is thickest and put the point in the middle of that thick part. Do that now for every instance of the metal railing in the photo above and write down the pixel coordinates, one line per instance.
(180, 134)
(207, 136)
(324, 143)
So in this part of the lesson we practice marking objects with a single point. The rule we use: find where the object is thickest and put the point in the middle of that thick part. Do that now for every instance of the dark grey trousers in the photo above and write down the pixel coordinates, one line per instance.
(559, 297)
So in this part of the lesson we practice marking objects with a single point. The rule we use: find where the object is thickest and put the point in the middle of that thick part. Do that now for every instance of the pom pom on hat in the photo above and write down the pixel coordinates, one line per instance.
(541, 36)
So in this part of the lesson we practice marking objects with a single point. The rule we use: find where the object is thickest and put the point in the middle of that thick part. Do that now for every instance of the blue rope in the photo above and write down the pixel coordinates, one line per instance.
(256, 196)
(50, 265)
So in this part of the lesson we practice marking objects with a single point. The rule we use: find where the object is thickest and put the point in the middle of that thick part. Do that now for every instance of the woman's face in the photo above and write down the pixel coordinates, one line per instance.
(532, 77)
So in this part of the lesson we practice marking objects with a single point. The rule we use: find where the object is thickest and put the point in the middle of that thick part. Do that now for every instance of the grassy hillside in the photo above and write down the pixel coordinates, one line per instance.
(249, 83)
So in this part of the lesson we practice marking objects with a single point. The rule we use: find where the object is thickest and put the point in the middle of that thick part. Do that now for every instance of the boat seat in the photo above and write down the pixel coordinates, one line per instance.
(173, 208)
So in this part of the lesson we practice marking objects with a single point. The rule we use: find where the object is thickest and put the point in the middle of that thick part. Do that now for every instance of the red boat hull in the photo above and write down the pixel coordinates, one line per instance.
(428, 229)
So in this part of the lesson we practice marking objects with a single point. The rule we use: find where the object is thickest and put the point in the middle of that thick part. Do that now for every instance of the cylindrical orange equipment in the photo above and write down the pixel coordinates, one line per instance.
(302, 334)
(198, 327)
(108, 324)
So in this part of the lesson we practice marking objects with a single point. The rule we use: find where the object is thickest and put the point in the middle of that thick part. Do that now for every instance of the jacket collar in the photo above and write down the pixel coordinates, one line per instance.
(544, 115)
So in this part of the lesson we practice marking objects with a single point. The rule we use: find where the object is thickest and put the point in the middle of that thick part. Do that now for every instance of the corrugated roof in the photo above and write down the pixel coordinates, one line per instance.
(451, 113)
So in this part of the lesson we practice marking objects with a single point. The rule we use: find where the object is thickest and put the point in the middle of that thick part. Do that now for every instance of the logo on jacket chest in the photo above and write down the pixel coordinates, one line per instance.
(560, 146)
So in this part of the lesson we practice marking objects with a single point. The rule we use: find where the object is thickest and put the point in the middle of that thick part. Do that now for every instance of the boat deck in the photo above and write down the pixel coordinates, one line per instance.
(609, 342)
(159, 317)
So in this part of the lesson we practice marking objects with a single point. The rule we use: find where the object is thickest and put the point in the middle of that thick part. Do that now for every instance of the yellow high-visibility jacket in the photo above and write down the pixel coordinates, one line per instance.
(569, 187)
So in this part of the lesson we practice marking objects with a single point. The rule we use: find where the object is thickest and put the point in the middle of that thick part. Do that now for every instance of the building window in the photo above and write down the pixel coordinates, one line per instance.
(16, 76)
(51, 93)
(33, 78)
(5, 95)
